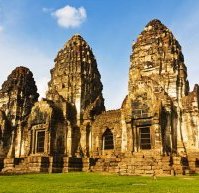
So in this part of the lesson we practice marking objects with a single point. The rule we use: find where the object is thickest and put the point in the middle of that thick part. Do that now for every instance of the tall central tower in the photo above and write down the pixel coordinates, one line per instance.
(76, 79)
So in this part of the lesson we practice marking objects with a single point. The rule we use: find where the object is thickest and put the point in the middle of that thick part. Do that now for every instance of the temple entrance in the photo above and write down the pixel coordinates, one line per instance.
(108, 140)
(145, 138)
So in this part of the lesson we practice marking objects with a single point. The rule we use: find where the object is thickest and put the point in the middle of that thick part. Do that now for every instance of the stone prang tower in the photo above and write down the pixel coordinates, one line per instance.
(17, 97)
(76, 79)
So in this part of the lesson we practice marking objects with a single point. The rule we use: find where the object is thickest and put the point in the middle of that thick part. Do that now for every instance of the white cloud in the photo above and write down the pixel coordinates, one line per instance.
(70, 17)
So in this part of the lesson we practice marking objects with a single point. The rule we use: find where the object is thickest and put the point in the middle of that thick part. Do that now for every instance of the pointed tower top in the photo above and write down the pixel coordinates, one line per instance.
(21, 77)
(155, 25)
(21, 70)
(76, 41)
(154, 22)
(77, 37)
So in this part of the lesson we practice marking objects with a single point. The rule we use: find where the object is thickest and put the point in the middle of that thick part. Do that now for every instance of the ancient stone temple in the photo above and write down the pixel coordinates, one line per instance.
(155, 130)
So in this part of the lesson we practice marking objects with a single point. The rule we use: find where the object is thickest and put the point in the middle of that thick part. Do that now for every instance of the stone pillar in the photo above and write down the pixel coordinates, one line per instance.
(124, 135)
(103, 145)
(135, 140)
(90, 142)
(69, 141)
(46, 142)
(33, 142)
(180, 145)
(83, 139)
(130, 137)
(18, 141)
(157, 137)
(11, 149)
(65, 140)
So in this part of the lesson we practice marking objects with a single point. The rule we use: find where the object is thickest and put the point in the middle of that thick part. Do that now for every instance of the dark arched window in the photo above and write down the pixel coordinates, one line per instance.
(108, 140)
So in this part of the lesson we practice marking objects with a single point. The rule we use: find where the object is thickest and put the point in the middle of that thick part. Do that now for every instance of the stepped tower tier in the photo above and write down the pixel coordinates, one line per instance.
(76, 79)
(157, 54)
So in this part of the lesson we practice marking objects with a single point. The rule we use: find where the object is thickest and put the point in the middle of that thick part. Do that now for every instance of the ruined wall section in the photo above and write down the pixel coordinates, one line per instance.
(17, 96)
(76, 78)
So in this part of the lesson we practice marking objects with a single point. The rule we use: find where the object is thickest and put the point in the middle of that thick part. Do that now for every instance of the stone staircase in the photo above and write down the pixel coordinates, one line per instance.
(141, 164)
(106, 165)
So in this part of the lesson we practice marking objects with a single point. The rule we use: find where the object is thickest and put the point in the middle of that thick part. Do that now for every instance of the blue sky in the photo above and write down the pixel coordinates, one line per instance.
(31, 35)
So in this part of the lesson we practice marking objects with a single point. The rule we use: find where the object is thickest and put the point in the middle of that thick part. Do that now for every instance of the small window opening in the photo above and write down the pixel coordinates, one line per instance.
(145, 139)
(40, 141)
(108, 140)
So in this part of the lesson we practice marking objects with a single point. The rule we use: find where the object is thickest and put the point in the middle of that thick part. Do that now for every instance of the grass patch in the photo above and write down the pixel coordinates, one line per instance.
(96, 182)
